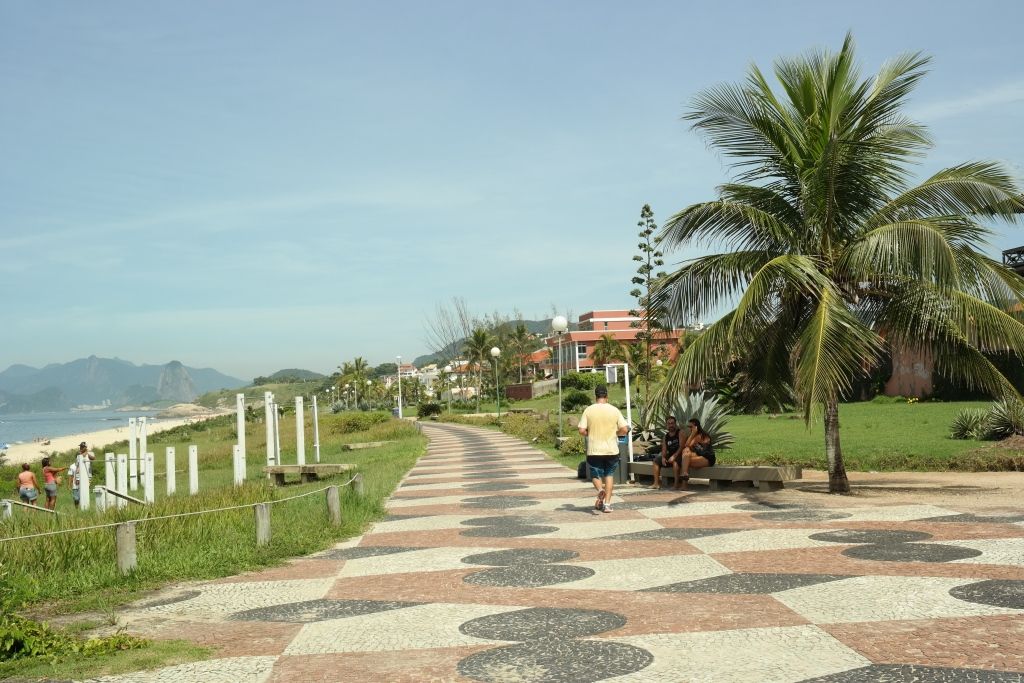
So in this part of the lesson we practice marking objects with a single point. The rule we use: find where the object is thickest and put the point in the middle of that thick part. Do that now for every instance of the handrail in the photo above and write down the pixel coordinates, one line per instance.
(26, 505)
(118, 494)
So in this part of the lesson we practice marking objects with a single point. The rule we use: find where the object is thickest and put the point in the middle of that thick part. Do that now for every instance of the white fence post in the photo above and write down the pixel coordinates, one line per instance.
(143, 449)
(5, 509)
(277, 435)
(240, 420)
(84, 489)
(148, 480)
(133, 440)
(300, 431)
(193, 470)
(316, 430)
(268, 418)
(133, 472)
(100, 497)
(110, 477)
(122, 478)
(239, 464)
(172, 481)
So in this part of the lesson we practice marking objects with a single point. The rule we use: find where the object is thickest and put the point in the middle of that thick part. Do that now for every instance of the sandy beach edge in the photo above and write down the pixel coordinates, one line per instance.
(17, 454)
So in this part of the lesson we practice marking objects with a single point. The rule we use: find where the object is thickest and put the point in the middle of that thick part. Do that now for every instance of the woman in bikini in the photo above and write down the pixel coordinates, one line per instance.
(28, 487)
(698, 451)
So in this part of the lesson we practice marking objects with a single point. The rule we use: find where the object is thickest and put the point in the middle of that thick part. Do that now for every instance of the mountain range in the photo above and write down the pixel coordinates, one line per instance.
(110, 381)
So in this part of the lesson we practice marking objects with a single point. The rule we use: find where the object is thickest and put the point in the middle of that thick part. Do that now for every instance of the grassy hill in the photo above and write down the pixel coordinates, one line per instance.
(285, 392)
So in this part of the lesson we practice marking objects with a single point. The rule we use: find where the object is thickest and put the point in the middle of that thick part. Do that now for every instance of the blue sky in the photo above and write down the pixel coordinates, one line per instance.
(255, 185)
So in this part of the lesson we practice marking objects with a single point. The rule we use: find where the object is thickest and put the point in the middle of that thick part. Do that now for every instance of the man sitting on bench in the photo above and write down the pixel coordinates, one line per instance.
(671, 453)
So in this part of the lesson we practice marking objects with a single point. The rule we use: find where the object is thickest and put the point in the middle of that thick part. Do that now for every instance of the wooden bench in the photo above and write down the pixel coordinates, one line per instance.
(762, 477)
(307, 473)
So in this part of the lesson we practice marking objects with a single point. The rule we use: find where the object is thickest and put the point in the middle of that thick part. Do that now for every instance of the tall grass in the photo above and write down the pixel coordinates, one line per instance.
(76, 571)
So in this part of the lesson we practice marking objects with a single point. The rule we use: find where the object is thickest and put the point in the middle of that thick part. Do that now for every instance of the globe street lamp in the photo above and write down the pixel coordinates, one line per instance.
(495, 352)
(399, 372)
(348, 391)
(448, 383)
(559, 325)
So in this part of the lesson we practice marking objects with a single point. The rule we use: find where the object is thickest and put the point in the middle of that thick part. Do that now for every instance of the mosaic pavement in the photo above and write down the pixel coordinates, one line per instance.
(493, 566)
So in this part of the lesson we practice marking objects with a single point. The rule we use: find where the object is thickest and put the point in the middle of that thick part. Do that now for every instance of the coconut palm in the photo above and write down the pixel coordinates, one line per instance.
(520, 343)
(607, 349)
(830, 254)
(477, 349)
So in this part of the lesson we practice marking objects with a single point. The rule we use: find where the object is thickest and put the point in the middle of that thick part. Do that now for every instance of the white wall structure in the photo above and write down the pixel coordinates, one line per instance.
(316, 430)
(240, 420)
(268, 407)
(300, 431)
(172, 482)
(122, 478)
(149, 480)
(193, 470)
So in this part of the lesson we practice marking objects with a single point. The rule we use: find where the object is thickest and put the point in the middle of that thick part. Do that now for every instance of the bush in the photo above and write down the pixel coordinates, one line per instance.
(969, 424)
(1005, 418)
(584, 381)
(349, 422)
(529, 427)
(575, 399)
(574, 445)
(428, 409)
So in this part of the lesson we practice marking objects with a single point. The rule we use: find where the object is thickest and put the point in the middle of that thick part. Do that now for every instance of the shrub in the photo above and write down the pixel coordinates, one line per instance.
(529, 427)
(428, 409)
(968, 424)
(712, 416)
(583, 381)
(1005, 418)
(573, 445)
(575, 399)
(349, 422)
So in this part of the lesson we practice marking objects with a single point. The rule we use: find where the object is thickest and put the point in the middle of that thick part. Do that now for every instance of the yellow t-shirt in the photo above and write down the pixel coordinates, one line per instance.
(602, 420)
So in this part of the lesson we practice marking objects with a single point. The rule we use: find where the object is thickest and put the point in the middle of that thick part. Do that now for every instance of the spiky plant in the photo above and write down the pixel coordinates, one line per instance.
(712, 416)
(969, 424)
(1005, 418)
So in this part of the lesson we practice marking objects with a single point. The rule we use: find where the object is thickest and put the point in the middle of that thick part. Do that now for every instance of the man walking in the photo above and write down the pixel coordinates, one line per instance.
(602, 424)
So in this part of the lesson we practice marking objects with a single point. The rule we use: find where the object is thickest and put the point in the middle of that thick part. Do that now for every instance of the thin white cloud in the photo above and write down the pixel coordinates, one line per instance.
(1011, 93)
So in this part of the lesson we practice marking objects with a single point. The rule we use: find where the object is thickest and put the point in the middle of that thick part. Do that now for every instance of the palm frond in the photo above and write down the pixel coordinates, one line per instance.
(737, 224)
(917, 249)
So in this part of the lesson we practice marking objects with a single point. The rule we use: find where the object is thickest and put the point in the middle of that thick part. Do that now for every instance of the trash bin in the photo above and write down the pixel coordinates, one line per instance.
(622, 474)
(394, 412)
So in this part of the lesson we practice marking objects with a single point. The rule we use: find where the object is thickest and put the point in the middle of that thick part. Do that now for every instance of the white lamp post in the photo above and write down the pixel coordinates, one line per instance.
(448, 383)
(399, 372)
(495, 353)
(559, 325)
(369, 383)
(348, 388)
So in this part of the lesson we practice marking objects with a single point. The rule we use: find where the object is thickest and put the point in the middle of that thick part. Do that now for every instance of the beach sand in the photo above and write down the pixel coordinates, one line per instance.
(34, 452)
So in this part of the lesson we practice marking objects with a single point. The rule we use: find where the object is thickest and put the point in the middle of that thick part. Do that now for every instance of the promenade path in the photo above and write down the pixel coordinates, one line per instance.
(493, 566)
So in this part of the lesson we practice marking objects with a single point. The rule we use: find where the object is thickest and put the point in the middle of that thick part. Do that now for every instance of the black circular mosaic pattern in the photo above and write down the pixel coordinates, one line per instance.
(500, 502)
(995, 592)
(911, 552)
(311, 611)
(491, 474)
(800, 515)
(529, 576)
(504, 520)
(913, 673)
(543, 623)
(520, 556)
(510, 531)
(170, 600)
(569, 661)
(495, 486)
(766, 507)
(875, 536)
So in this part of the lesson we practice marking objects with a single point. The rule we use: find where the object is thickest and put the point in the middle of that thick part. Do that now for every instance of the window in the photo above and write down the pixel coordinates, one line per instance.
(581, 351)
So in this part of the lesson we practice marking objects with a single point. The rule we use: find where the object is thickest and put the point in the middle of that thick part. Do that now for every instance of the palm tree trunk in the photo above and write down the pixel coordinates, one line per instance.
(837, 481)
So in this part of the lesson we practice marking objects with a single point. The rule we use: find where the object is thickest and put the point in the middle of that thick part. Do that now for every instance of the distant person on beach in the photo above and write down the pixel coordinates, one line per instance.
(28, 487)
(51, 482)
(602, 424)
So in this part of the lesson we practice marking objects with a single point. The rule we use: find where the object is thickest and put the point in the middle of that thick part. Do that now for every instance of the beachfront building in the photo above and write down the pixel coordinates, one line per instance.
(578, 344)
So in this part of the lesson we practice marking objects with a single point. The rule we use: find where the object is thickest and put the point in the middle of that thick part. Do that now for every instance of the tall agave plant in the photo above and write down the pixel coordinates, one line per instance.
(1005, 418)
(711, 414)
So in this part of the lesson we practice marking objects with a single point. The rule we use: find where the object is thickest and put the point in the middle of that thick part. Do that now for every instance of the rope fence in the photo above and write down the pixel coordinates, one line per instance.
(126, 556)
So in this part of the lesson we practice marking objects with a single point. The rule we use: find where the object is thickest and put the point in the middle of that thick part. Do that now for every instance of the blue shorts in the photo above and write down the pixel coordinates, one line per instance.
(602, 466)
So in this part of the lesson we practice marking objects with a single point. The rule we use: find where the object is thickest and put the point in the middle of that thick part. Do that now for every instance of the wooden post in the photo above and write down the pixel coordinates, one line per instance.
(126, 558)
(172, 480)
(333, 505)
(262, 523)
(193, 470)
(357, 484)
(122, 478)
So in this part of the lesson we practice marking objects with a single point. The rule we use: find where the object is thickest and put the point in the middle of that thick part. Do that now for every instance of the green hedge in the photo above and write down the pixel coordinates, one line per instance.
(584, 381)
(349, 422)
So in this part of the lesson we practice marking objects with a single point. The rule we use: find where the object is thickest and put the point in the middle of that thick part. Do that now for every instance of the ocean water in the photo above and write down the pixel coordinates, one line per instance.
(30, 426)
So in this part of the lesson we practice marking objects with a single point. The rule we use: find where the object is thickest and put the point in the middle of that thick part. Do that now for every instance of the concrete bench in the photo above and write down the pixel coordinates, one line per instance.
(763, 477)
(307, 473)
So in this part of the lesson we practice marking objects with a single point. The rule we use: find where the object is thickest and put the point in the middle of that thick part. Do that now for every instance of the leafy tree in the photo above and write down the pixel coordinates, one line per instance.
(477, 350)
(830, 253)
(608, 349)
(521, 343)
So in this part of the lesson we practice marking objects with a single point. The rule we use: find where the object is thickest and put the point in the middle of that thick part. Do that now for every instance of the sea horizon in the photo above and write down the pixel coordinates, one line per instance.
(29, 427)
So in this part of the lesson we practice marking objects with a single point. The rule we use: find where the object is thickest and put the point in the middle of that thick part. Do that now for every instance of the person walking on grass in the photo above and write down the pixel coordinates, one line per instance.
(671, 453)
(28, 486)
(51, 481)
(602, 424)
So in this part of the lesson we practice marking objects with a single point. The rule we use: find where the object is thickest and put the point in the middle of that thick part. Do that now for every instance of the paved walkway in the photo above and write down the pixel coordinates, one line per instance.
(493, 566)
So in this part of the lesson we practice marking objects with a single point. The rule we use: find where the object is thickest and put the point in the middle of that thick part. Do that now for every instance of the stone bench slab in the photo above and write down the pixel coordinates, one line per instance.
(307, 473)
(765, 477)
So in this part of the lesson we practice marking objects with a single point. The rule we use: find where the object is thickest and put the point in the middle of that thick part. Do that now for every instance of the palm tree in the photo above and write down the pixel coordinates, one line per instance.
(477, 349)
(607, 349)
(830, 255)
(521, 343)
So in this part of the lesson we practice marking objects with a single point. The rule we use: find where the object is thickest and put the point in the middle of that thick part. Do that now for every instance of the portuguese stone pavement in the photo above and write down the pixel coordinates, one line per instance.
(494, 566)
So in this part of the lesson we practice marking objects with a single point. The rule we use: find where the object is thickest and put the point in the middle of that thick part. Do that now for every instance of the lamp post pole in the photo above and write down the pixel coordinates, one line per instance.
(495, 353)
(448, 383)
(559, 324)
(399, 373)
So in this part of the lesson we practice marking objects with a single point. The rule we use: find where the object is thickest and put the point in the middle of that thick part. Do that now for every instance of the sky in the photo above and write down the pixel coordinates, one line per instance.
(252, 185)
